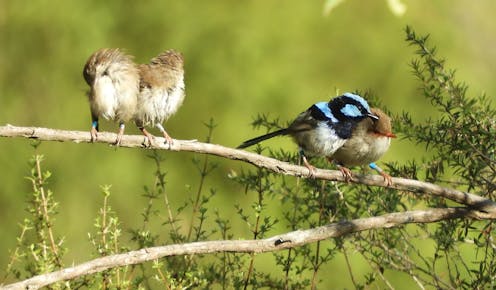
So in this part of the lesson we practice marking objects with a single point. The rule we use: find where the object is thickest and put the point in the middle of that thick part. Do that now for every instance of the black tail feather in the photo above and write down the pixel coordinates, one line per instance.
(258, 139)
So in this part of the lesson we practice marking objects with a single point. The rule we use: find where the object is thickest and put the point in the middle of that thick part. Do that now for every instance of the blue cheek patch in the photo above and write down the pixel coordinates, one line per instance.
(324, 108)
(351, 111)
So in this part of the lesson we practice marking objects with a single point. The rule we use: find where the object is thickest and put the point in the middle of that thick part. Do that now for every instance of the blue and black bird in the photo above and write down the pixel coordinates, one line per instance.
(324, 127)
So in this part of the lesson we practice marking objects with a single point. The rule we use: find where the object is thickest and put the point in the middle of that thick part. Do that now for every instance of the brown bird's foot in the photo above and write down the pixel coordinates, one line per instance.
(168, 139)
(311, 168)
(388, 180)
(119, 135)
(119, 139)
(347, 174)
(149, 137)
(94, 134)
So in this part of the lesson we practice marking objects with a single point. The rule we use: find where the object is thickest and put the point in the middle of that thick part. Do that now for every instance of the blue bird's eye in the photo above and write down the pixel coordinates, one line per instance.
(359, 100)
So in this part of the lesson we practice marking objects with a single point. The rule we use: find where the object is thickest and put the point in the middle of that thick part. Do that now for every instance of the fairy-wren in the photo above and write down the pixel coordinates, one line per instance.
(113, 78)
(161, 91)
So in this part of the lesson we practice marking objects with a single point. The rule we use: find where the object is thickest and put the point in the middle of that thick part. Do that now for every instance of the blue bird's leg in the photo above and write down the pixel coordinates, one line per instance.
(120, 133)
(168, 138)
(387, 178)
(347, 174)
(307, 164)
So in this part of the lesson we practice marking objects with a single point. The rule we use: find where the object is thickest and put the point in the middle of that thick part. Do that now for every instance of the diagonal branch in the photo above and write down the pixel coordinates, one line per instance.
(275, 243)
(133, 141)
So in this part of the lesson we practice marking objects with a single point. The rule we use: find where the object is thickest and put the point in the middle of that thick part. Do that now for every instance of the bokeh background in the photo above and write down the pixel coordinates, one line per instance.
(242, 58)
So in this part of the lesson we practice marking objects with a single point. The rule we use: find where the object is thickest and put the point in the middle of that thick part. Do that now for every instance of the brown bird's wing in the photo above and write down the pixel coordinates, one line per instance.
(164, 71)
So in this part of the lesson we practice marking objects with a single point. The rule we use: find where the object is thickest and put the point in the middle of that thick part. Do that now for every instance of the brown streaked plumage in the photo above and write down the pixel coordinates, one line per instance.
(114, 85)
(369, 141)
(161, 91)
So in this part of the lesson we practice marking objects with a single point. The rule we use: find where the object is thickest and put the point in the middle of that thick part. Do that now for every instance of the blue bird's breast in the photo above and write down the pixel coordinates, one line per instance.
(323, 140)
(343, 129)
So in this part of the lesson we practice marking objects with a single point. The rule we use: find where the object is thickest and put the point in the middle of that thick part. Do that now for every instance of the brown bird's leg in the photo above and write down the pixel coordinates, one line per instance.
(120, 133)
(168, 138)
(147, 134)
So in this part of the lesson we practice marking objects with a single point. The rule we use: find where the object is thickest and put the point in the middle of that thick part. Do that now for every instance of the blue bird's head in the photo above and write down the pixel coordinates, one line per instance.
(350, 107)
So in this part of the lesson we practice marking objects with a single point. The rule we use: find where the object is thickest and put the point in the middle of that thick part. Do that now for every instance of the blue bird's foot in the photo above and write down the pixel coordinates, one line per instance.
(311, 168)
(388, 180)
(347, 174)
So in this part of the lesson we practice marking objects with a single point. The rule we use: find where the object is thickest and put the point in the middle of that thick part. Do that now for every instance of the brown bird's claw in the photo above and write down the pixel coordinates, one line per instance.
(151, 141)
(149, 137)
(168, 139)
(388, 180)
(118, 140)
(119, 135)
(347, 174)
(94, 134)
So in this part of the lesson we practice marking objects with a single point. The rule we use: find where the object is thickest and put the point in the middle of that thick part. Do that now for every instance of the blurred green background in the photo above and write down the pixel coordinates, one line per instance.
(242, 58)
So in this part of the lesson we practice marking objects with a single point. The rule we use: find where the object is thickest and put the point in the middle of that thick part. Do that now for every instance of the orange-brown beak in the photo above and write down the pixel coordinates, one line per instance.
(389, 134)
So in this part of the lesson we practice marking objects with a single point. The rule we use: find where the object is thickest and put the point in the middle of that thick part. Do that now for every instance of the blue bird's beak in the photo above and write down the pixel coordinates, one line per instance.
(373, 117)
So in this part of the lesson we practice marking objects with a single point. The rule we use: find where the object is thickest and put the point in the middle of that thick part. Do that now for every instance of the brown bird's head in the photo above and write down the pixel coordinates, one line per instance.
(107, 61)
(382, 126)
(170, 58)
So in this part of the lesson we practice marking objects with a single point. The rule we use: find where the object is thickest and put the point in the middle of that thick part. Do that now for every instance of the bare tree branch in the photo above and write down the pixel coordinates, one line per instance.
(275, 243)
(132, 141)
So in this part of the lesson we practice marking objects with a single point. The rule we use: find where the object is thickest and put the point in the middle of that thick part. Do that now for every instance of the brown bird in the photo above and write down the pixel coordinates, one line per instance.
(161, 92)
(114, 85)
(369, 141)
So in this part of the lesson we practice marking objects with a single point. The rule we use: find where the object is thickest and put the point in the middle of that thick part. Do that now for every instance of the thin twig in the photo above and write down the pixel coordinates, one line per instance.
(38, 184)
